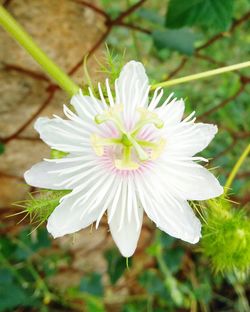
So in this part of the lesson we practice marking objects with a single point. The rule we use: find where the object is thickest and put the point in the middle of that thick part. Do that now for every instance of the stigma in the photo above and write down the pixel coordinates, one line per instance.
(129, 150)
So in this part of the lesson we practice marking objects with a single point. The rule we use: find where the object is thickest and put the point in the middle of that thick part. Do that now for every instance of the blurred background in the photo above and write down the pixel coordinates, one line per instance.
(85, 272)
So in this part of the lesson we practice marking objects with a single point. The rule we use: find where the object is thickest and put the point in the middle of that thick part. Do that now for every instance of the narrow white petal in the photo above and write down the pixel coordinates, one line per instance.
(172, 113)
(167, 101)
(39, 176)
(113, 207)
(189, 139)
(86, 106)
(110, 97)
(127, 235)
(156, 98)
(64, 221)
(133, 75)
(80, 178)
(192, 180)
(109, 198)
(48, 174)
(61, 134)
(173, 216)
(101, 95)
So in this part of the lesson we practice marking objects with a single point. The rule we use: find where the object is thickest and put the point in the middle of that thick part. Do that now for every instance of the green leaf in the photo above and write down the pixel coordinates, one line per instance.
(135, 306)
(203, 292)
(152, 282)
(7, 247)
(94, 304)
(31, 244)
(116, 265)
(5, 276)
(214, 13)
(11, 295)
(181, 40)
(166, 240)
(92, 284)
(173, 259)
(2, 148)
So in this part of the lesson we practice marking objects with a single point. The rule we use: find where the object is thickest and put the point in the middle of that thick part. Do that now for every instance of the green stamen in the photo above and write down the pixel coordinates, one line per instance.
(111, 115)
(147, 117)
(98, 143)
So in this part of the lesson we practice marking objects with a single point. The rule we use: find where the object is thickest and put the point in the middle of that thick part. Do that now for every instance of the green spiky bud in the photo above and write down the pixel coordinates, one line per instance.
(226, 238)
(40, 205)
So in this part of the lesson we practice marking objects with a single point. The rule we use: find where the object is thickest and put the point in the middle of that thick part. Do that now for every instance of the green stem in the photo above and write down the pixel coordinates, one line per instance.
(40, 283)
(170, 282)
(159, 257)
(205, 74)
(20, 35)
(236, 168)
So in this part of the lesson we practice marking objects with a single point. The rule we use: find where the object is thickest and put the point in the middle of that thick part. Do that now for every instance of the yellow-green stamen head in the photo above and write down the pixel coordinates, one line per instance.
(134, 150)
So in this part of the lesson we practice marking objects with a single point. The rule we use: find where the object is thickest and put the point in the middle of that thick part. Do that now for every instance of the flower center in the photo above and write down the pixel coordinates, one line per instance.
(134, 151)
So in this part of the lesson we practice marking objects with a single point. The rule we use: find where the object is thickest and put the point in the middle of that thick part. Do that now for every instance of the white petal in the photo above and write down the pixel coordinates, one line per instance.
(65, 220)
(172, 113)
(188, 139)
(64, 135)
(190, 228)
(87, 106)
(173, 216)
(191, 180)
(132, 88)
(125, 231)
(39, 176)
(48, 174)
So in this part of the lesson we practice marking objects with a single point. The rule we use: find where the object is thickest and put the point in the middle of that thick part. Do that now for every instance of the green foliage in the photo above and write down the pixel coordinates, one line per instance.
(91, 288)
(94, 304)
(136, 306)
(173, 259)
(150, 16)
(40, 205)
(92, 284)
(226, 238)
(163, 283)
(203, 293)
(213, 13)
(25, 245)
(2, 148)
(20, 282)
(11, 294)
(181, 40)
(116, 265)
(153, 283)
(111, 64)
(113, 8)
(39, 241)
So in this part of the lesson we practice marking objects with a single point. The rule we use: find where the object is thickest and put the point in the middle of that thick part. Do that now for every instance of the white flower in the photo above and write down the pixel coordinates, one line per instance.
(124, 157)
